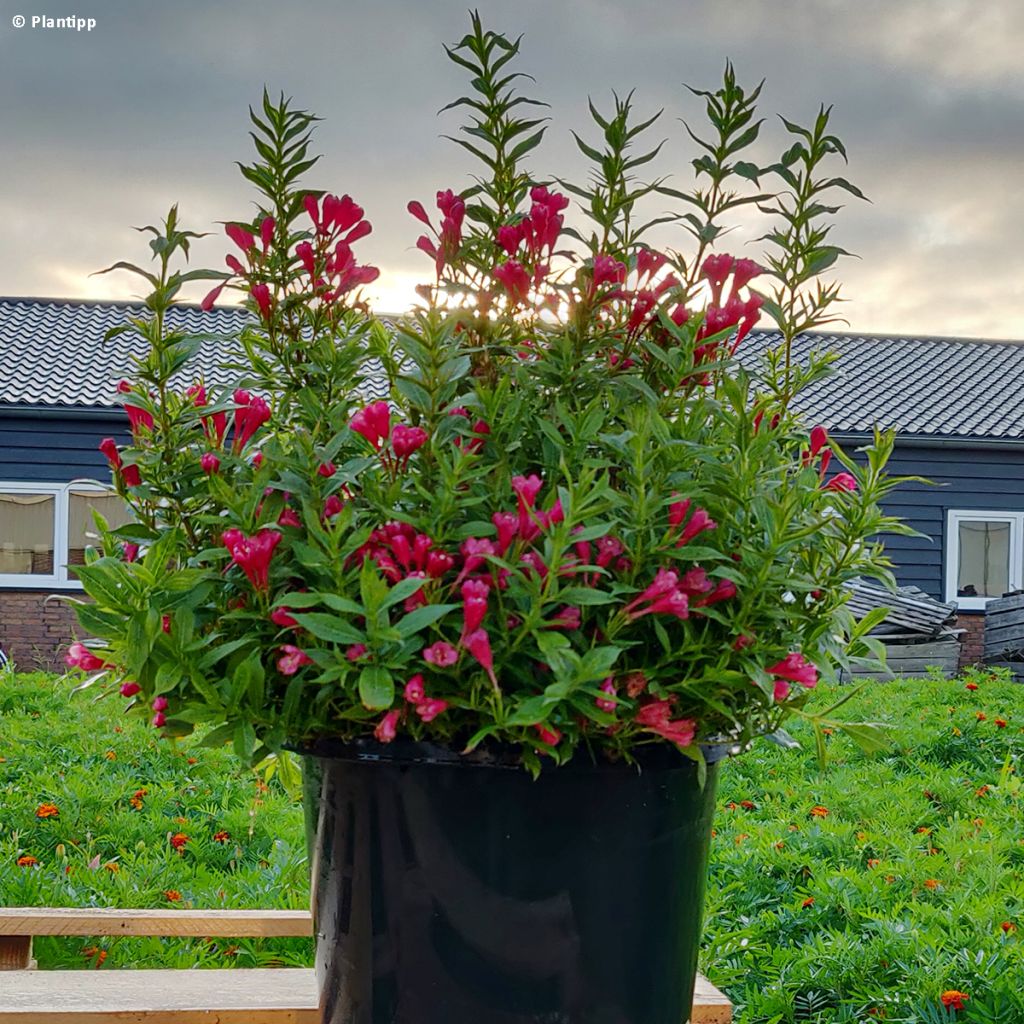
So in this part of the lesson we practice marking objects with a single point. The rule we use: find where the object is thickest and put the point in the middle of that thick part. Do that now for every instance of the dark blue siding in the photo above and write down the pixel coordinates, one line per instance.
(56, 448)
(979, 478)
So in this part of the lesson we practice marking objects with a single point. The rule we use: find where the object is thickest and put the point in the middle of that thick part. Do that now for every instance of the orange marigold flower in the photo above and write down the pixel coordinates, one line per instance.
(924, 829)
(110, 755)
(809, 902)
(95, 953)
(27, 861)
(981, 790)
(112, 866)
(739, 839)
(780, 845)
(748, 805)
(1000, 722)
(192, 760)
(47, 811)
(890, 879)
(180, 820)
(221, 836)
(172, 895)
(873, 862)
(980, 716)
(178, 840)
(971, 686)
(1008, 927)
(977, 822)
(819, 812)
(731, 805)
(953, 999)
(931, 883)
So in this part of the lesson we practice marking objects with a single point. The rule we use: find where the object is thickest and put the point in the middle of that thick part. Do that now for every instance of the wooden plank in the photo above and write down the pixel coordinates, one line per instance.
(243, 996)
(257, 996)
(1005, 604)
(15, 952)
(709, 1005)
(23, 921)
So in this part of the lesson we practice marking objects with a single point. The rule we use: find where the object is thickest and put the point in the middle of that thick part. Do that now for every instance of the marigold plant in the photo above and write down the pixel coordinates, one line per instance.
(547, 509)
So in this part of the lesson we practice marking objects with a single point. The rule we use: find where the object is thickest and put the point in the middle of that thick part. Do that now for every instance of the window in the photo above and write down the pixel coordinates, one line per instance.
(45, 528)
(984, 556)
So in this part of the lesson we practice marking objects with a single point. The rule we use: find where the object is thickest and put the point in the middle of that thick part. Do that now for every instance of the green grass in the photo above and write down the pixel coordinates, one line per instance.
(899, 914)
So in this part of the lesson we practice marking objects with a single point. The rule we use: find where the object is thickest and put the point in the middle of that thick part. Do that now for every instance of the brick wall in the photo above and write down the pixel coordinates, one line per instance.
(973, 639)
(33, 633)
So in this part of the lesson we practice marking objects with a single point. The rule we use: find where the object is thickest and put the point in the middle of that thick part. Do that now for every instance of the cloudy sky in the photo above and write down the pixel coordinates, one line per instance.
(105, 129)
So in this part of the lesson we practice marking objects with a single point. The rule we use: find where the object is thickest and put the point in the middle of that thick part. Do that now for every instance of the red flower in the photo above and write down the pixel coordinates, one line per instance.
(716, 269)
(953, 999)
(841, 482)
(253, 554)
(266, 232)
(221, 836)
(47, 811)
(159, 703)
(355, 652)
(663, 596)
(241, 237)
(809, 902)
(130, 689)
(607, 270)
(797, 669)
(724, 589)
(441, 654)
(478, 643)
(79, 656)
(1000, 723)
(971, 686)
(282, 617)
(607, 703)
(289, 517)
(374, 423)
(138, 418)
(387, 727)
(250, 415)
(109, 448)
(548, 734)
(178, 840)
(430, 707)
(474, 604)
(292, 658)
(1008, 927)
(655, 716)
(261, 296)
(405, 440)
(209, 463)
(515, 280)
(327, 469)
(566, 618)
(27, 861)
(819, 812)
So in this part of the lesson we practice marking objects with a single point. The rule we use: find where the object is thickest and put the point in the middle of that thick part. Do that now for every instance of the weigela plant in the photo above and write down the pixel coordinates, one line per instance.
(547, 509)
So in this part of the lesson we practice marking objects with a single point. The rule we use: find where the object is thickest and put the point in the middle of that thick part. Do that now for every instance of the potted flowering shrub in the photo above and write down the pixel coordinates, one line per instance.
(520, 568)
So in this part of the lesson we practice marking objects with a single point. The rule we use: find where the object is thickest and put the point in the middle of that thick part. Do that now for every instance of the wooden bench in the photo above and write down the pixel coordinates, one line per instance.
(240, 996)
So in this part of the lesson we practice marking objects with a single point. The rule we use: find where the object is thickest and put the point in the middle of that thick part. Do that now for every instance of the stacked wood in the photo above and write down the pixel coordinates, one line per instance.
(1004, 633)
(918, 631)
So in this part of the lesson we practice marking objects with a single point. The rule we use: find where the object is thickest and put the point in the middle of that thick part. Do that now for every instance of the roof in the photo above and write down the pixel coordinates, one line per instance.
(53, 355)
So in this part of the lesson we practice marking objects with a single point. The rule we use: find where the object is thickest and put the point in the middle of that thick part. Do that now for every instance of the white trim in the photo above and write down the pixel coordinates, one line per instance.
(60, 578)
(954, 517)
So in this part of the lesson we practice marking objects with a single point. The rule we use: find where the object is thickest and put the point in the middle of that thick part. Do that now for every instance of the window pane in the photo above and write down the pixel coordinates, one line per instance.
(81, 528)
(984, 569)
(26, 533)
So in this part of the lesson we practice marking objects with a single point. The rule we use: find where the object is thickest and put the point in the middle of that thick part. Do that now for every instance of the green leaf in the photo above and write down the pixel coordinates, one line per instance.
(376, 687)
(329, 628)
(422, 617)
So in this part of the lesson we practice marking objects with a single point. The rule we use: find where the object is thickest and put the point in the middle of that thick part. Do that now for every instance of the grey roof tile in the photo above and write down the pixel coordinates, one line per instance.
(52, 353)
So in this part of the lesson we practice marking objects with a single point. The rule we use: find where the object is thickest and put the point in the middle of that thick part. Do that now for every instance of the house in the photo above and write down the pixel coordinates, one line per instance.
(958, 405)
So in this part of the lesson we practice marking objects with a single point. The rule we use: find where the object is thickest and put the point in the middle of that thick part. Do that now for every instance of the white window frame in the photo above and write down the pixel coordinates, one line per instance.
(954, 517)
(61, 577)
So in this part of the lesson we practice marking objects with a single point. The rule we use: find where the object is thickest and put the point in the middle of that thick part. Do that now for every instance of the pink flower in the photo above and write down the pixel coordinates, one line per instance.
(566, 618)
(604, 703)
(478, 643)
(209, 462)
(131, 551)
(607, 270)
(159, 703)
(716, 269)
(441, 654)
(130, 476)
(159, 720)
(387, 727)
(355, 652)
(250, 414)
(266, 232)
(414, 689)
(292, 658)
(242, 238)
(374, 423)
(109, 448)
(797, 669)
(698, 523)
(289, 517)
(261, 296)
(332, 506)
(405, 440)
(130, 689)
(724, 589)
(819, 438)
(663, 596)
(165, 623)
(474, 604)
(781, 691)
(138, 418)
(430, 707)
(326, 469)
(509, 237)
(210, 298)
(548, 734)
(744, 271)
(282, 617)
(507, 526)
(253, 553)
(79, 656)
(655, 716)
(515, 280)
(416, 209)
(842, 482)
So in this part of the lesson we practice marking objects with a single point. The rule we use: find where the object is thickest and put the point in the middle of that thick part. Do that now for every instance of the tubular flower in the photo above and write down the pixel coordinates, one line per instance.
(282, 617)
(129, 689)
(474, 605)
(138, 418)
(607, 271)
(515, 280)
(215, 425)
(374, 423)
(796, 669)
(656, 716)
(109, 448)
(842, 482)
(440, 654)
(414, 691)
(292, 659)
(607, 703)
(253, 554)
(406, 440)
(663, 596)
(250, 415)
(79, 656)
(430, 707)
(209, 463)
(548, 735)
(478, 643)
(387, 727)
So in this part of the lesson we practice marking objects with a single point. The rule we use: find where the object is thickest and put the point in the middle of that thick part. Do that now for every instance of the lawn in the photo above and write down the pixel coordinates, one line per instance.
(861, 892)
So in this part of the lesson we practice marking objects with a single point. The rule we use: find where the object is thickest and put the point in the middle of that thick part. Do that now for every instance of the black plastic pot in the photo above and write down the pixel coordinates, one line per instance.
(451, 892)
